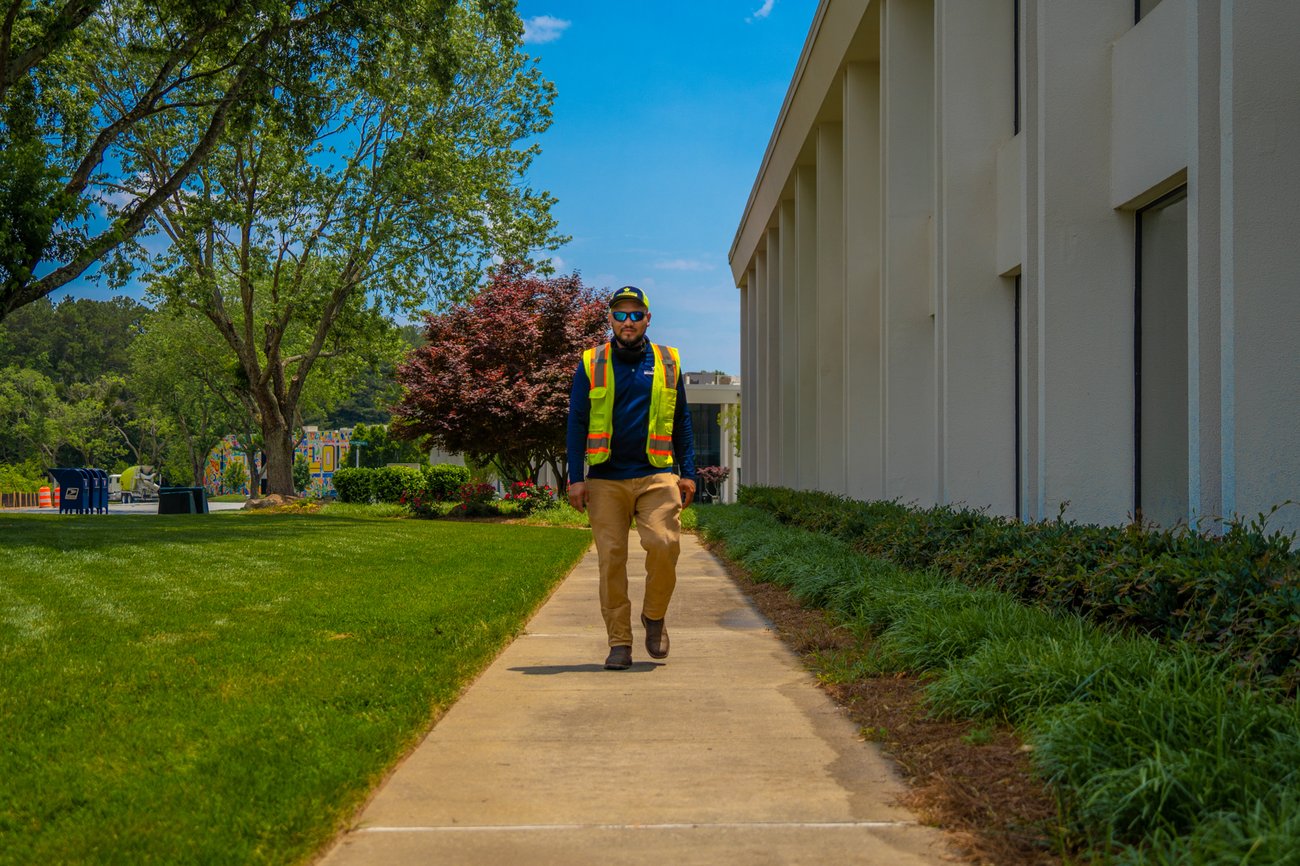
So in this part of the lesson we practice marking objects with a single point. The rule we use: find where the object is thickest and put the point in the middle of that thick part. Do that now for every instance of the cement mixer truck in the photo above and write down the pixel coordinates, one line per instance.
(135, 484)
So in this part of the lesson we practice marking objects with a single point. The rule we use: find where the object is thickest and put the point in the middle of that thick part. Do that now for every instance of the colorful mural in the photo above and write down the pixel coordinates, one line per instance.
(323, 450)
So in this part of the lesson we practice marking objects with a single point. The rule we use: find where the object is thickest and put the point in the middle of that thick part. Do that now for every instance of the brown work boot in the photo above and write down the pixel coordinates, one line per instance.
(656, 637)
(619, 659)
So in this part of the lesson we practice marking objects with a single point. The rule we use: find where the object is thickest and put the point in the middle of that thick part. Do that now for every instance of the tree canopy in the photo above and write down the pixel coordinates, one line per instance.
(493, 378)
(392, 189)
(83, 81)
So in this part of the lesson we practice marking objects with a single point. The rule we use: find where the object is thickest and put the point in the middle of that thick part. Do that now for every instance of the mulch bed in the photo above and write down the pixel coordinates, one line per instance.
(973, 781)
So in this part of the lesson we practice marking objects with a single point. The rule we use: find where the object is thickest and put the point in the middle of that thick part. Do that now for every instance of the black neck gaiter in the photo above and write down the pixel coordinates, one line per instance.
(629, 354)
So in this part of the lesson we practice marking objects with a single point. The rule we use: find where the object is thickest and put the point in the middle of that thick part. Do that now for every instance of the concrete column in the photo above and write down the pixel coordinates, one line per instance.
(1260, 307)
(746, 361)
(773, 382)
(1079, 268)
(788, 453)
(907, 87)
(830, 440)
(976, 308)
(759, 432)
(863, 324)
(806, 245)
(1204, 444)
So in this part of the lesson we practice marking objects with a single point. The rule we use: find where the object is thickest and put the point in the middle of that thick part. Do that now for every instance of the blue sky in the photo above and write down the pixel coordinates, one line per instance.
(662, 115)
(663, 112)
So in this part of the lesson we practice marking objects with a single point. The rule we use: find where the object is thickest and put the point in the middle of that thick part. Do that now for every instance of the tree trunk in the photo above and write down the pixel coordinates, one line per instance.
(277, 445)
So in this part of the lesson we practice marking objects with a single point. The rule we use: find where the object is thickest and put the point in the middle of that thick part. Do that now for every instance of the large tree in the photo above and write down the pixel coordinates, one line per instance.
(395, 189)
(493, 379)
(80, 79)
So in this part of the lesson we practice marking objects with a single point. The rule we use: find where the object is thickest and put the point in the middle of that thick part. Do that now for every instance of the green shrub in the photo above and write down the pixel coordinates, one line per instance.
(1238, 593)
(392, 483)
(20, 479)
(354, 485)
(1187, 744)
(1265, 833)
(1158, 753)
(946, 624)
(301, 473)
(234, 477)
(1015, 679)
(442, 482)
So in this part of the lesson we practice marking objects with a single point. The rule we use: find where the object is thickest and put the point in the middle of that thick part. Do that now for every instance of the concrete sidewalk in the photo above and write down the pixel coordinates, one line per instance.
(726, 752)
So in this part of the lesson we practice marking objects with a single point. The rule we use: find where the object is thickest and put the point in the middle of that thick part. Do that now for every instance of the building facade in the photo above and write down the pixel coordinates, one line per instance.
(1032, 254)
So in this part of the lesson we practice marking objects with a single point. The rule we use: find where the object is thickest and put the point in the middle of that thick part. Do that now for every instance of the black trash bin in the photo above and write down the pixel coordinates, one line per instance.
(175, 500)
(182, 500)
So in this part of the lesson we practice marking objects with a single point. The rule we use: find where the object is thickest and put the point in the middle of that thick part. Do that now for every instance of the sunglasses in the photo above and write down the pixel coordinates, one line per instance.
(624, 315)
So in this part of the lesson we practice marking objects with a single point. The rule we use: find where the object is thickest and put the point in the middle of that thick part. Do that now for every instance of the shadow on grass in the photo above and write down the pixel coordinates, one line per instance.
(551, 670)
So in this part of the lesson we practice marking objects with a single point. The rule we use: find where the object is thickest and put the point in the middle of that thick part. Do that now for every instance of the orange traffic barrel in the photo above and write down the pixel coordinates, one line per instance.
(43, 497)
(56, 496)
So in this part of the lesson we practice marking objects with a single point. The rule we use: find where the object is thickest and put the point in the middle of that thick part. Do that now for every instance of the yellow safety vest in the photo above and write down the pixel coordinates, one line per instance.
(663, 404)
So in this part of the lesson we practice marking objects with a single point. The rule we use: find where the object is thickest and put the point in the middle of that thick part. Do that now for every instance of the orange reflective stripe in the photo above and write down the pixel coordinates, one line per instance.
(665, 443)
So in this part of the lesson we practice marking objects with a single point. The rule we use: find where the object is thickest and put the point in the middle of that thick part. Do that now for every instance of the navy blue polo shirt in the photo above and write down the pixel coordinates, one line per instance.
(627, 457)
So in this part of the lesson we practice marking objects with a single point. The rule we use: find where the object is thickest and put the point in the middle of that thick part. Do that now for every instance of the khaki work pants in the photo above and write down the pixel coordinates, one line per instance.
(656, 503)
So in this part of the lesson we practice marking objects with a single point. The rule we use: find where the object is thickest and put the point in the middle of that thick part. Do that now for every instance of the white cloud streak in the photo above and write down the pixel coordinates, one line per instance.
(761, 12)
(541, 29)
(694, 265)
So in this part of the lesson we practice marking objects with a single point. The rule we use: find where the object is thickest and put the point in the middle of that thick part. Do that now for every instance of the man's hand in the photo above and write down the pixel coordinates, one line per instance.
(578, 495)
(687, 487)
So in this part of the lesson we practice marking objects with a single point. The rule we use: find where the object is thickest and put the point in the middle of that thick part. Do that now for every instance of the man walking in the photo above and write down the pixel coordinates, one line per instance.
(628, 420)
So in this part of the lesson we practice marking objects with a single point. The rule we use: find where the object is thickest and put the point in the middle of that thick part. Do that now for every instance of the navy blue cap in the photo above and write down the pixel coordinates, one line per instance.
(630, 293)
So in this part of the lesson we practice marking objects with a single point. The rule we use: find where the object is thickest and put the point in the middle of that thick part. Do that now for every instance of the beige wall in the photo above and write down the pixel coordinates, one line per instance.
(894, 189)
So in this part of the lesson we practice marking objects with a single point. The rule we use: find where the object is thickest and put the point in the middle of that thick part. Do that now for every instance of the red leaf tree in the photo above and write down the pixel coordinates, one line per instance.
(493, 380)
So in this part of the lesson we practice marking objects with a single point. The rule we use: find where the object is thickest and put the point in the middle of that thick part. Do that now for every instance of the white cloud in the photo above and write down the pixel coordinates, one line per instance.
(761, 12)
(541, 29)
(684, 265)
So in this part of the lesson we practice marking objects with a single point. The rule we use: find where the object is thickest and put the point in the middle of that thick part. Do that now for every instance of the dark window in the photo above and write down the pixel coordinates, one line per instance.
(708, 435)
(1160, 361)
(1015, 67)
(1018, 386)
(1142, 8)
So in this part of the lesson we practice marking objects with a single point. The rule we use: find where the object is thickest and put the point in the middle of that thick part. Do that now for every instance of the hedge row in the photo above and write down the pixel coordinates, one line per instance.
(1159, 754)
(440, 483)
(1238, 593)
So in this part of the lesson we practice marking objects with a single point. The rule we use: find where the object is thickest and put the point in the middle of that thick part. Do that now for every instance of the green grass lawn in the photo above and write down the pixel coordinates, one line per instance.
(226, 688)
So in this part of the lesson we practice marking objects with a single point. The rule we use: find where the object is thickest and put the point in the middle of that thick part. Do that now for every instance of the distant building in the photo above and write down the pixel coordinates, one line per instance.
(707, 394)
(1025, 253)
